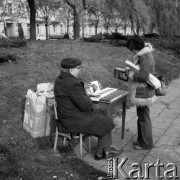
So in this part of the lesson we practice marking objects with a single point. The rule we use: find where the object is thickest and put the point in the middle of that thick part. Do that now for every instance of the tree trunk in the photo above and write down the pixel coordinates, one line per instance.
(5, 28)
(83, 29)
(116, 28)
(107, 30)
(32, 19)
(132, 26)
(76, 25)
(125, 28)
(67, 30)
(152, 26)
(46, 26)
(137, 27)
(96, 27)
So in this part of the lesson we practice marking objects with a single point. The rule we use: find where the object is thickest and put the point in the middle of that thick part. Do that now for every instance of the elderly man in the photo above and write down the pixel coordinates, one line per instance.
(74, 109)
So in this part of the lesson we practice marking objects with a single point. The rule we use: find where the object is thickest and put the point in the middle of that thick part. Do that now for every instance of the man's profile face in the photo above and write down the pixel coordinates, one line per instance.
(75, 71)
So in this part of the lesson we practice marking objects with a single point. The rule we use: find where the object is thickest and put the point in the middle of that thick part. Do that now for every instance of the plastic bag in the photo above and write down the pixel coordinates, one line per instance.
(35, 114)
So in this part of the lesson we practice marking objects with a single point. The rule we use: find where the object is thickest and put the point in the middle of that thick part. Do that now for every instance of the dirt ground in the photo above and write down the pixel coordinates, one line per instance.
(25, 158)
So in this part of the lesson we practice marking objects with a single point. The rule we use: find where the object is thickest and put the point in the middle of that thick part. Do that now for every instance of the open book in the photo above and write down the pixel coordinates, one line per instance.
(93, 88)
(96, 93)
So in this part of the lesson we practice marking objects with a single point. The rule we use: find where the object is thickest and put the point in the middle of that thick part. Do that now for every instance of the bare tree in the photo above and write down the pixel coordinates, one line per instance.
(95, 11)
(165, 16)
(19, 9)
(3, 13)
(134, 12)
(46, 9)
(64, 14)
(77, 7)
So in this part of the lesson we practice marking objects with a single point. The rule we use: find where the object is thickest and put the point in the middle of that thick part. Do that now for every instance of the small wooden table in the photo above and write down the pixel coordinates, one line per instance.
(114, 102)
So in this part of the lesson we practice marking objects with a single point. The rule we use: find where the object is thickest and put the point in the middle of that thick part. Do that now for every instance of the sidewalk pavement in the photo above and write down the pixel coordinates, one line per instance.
(165, 115)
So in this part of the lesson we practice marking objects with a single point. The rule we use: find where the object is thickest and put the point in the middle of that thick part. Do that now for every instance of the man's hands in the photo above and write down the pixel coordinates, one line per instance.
(87, 89)
(90, 89)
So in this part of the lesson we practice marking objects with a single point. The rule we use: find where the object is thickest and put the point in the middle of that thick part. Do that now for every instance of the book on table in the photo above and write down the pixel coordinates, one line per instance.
(96, 93)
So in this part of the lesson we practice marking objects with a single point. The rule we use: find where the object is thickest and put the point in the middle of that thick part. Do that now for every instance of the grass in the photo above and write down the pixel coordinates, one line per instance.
(22, 157)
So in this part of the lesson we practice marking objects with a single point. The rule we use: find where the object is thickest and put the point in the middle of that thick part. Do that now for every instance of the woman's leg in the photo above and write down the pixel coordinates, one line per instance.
(144, 127)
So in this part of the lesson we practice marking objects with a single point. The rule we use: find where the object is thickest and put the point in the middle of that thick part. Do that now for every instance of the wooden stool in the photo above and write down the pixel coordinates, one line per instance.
(66, 136)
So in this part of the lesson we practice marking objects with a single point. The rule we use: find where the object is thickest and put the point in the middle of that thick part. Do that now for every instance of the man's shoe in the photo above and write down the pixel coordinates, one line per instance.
(110, 155)
(109, 152)
(106, 155)
(112, 152)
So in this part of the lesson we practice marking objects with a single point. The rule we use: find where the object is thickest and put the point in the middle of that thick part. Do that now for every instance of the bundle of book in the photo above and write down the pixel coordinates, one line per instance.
(152, 81)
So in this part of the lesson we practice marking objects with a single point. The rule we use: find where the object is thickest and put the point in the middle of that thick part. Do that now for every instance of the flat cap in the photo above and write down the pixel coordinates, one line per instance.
(70, 63)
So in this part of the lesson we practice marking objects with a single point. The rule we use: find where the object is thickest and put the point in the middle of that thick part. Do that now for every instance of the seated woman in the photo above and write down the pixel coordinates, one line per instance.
(74, 109)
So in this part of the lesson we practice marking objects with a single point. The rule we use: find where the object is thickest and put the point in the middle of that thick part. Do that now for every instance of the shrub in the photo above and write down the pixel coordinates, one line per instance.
(7, 57)
(66, 36)
(6, 42)
(172, 43)
(18, 43)
(117, 35)
(118, 43)
(150, 35)
(95, 38)
(107, 36)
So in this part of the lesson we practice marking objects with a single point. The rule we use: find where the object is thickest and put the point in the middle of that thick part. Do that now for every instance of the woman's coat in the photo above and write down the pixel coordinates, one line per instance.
(142, 93)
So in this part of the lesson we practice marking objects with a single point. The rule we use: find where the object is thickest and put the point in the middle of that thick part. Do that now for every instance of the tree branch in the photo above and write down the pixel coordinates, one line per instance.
(84, 4)
(69, 3)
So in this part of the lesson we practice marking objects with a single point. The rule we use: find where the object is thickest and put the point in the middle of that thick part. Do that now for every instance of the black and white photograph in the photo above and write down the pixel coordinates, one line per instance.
(90, 89)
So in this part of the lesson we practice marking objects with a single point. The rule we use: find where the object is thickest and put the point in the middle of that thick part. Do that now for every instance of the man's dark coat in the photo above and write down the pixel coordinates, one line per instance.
(74, 108)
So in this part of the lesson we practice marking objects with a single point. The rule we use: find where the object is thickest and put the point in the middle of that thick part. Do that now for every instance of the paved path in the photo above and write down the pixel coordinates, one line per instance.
(165, 115)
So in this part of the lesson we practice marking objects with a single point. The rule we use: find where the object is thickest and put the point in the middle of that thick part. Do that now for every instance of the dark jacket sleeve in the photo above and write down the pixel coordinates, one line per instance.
(79, 98)
(143, 74)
